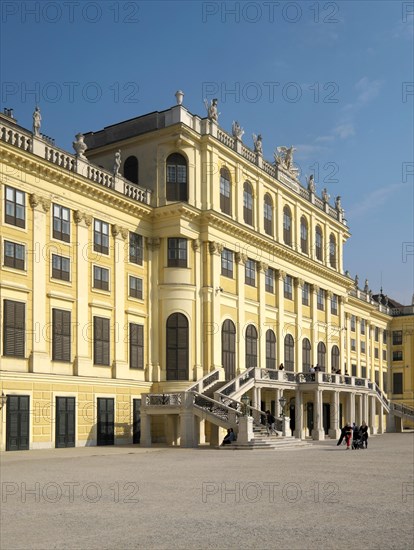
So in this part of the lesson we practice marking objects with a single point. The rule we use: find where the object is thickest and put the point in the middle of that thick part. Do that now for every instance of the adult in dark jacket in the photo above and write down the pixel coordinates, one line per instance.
(364, 434)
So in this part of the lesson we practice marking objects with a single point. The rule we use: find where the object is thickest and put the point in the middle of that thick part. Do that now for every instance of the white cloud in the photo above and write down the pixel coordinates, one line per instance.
(367, 89)
(344, 130)
(375, 199)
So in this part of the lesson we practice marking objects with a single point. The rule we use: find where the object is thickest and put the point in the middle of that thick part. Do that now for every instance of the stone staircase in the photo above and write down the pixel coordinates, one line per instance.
(263, 441)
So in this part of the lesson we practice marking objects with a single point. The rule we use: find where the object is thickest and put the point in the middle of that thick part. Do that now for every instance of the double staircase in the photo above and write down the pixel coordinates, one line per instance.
(263, 441)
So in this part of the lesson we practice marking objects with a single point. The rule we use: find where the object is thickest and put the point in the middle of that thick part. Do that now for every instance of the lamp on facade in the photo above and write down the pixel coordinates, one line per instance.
(3, 400)
(246, 402)
(282, 403)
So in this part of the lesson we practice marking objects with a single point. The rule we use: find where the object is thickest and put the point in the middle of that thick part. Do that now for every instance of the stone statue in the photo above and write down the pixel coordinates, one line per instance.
(311, 183)
(338, 203)
(284, 156)
(370, 295)
(356, 281)
(37, 120)
(347, 274)
(212, 111)
(80, 146)
(325, 195)
(258, 144)
(117, 162)
(386, 301)
(237, 130)
(366, 286)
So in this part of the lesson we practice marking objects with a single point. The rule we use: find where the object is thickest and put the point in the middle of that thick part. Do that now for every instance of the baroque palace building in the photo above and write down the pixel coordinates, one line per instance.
(153, 282)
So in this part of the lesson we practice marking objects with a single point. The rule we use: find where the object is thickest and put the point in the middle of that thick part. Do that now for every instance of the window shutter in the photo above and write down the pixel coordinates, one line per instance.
(14, 328)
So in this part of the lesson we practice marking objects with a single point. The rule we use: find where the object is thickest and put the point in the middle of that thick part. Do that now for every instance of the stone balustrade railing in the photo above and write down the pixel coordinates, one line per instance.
(203, 383)
(225, 138)
(41, 146)
(249, 154)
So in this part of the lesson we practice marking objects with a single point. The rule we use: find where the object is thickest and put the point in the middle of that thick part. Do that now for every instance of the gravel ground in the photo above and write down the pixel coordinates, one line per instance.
(127, 497)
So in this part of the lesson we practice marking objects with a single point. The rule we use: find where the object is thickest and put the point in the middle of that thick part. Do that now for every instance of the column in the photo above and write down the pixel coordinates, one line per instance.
(372, 420)
(279, 393)
(240, 274)
(120, 364)
(261, 271)
(83, 256)
(329, 331)
(334, 431)
(342, 333)
(298, 339)
(187, 422)
(347, 366)
(298, 415)
(381, 420)
(280, 278)
(198, 361)
(318, 431)
(314, 316)
(42, 259)
(365, 407)
(359, 415)
(145, 430)
(154, 314)
(215, 249)
(358, 345)
(351, 407)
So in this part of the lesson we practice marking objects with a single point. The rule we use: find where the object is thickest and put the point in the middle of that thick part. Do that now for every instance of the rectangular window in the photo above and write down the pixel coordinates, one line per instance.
(288, 287)
(384, 354)
(353, 344)
(101, 237)
(353, 321)
(353, 370)
(15, 207)
(397, 337)
(13, 328)
(334, 304)
(135, 287)
(100, 278)
(61, 335)
(364, 372)
(270, 280)
(305, 294)
(376, 334)
(136, 346)
(384, 337)
(397, 355)
(376, 353)
(362, 347)
(250, 272)
(227, 263)
(177, 252)
(376, 374)
(61, 223)
(135, 248)
(101, 341)
(14, 255)
(362, 326)
(321, 299)
(397, 382)
(384, 382)
(60, 267)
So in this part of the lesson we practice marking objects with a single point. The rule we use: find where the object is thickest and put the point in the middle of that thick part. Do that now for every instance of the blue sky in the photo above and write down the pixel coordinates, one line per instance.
(335, 79)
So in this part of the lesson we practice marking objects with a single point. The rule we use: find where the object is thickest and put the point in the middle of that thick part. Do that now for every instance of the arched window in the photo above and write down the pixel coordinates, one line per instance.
(131, 169)
(318, 243)
(287, 226)
(247, 203)
(225, 191)
(177, 347)
(228, 349)
(332, 250)
(306, 355)
(289, 353)
(321, 355)
(251, 346)
(270, 349)
(304, 235)
(268, 214)
(176, 178)
(334, 358)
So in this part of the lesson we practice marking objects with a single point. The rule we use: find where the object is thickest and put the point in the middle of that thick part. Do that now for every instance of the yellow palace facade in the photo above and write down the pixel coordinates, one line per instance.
(163, 272)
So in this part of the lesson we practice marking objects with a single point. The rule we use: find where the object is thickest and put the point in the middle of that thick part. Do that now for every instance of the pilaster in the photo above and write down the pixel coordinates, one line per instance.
(240, 275)
(215, 249)
(153, 372)
(280, 340)
(120, 364)
(261, 281)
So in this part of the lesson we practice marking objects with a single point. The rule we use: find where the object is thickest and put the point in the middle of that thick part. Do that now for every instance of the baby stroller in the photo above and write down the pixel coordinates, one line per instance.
(357, 441)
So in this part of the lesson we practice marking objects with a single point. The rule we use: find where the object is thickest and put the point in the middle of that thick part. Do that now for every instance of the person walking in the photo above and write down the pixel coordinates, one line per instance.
(341, 438)
(364, 434)
(270, 423)
(348, 436)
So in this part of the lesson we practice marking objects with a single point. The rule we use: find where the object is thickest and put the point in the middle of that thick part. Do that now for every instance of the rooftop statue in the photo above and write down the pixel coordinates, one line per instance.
(258, 144)
(237, 130)
(80, 146)
(117, 162)
(366, 286)
(325, 195)
(356, 281)
(311, 183)
(212, 111)
(284, 156)
(37, 120)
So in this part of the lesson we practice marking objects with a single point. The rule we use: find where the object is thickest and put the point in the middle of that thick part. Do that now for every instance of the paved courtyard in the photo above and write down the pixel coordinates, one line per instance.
(127, 497)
